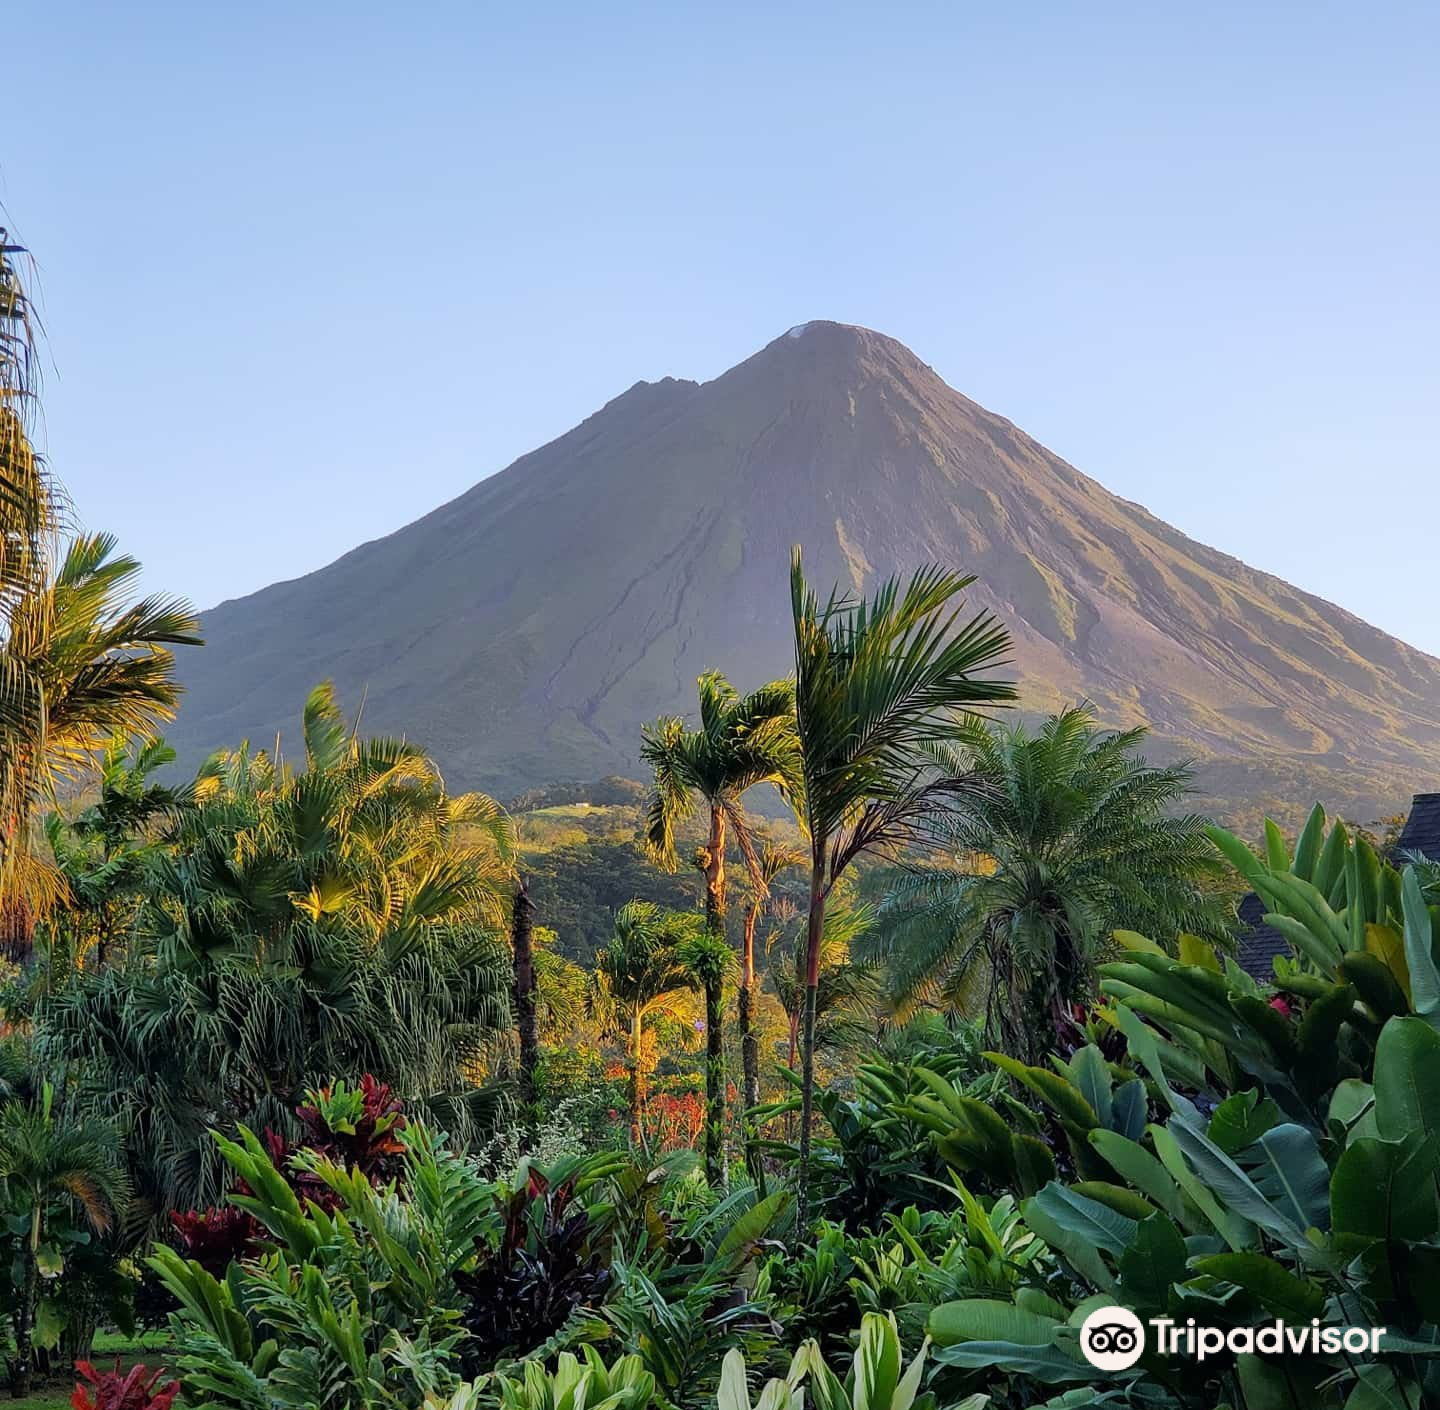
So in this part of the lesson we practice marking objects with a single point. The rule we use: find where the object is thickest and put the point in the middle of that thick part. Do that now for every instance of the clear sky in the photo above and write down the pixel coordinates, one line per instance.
(311, 269)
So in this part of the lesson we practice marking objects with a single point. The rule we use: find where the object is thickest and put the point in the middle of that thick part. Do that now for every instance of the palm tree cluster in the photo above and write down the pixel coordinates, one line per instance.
(741, 743)
(300, 923)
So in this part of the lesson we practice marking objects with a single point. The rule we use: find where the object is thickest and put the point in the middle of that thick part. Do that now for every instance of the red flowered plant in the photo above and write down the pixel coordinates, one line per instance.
(674, 1122)
(112, 1390)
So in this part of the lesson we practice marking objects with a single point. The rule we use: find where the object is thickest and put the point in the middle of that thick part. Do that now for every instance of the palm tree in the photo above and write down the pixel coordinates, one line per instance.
(562, 989)
(28, 498)
(84, 662)
(103, 853)
(1073, 838)
(43, 1159)
(638, 977)
(30, 507)
(742, 741)
(522, 932)
(875, 682)
(708, 961)
(774, 859)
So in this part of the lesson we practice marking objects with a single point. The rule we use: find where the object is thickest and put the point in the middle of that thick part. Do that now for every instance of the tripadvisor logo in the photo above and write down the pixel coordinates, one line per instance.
(1113, 1339)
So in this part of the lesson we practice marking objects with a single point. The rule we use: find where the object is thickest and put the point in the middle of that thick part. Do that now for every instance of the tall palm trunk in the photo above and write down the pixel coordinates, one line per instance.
(637, 1083)
(714, 870)
(814, 932)
(715, 1163)
(522, 932)
(25, 1313)
(749, 1044)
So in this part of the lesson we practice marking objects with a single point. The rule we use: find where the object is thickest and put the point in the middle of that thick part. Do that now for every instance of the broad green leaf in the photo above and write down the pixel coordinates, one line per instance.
(1374, 982)
(1307, 849)
(1145, 1051)
(1420, 949)
(1388, 946)
(1143, 1170)
(1287, 1166)
(1236, 853)
(1352, 1108)
(1274, 1385)
(1277, 851)
(1132, 940)
(50, 1321)
(1055, 1091)
(1091, 1076)
(50, 1261)
(1407, 1079)
(1081, 1254)
(750, 1227)
(877, 1362)
(1274, 1286)
(1386, 1189)
(1241, 1119)
(989, 1319)
(1048, 1364)
(1235, 1230)
(1331, 865)
(1152, 1264)
(1098, 1224)
(1117, 1197)
(1378, 1388)
(734, 1393)
(1128, 1108)
(1234, 1188)
(1198, 952)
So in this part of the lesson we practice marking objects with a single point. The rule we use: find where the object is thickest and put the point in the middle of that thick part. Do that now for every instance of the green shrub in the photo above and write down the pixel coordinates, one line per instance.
(355, 1307)
(1236, 1213)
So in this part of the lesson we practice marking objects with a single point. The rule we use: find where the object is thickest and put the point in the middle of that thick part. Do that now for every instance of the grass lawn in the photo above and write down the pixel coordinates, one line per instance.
(152, 1349)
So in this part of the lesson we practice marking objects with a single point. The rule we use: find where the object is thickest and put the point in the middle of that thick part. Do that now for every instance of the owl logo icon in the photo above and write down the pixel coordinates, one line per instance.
(1112, 1338)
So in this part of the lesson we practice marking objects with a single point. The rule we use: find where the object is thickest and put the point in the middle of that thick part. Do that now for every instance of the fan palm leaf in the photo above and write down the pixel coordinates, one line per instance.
(1073, 836)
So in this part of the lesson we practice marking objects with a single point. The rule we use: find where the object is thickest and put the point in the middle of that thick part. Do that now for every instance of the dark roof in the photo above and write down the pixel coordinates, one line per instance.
(1422, 830)
(1258, 943)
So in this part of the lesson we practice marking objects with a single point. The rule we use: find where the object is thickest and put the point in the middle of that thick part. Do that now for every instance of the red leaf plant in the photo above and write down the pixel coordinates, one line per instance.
(110, 1390)
(356, 1127)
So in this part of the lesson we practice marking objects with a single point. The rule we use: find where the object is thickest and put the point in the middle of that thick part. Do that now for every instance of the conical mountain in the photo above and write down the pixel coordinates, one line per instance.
(525, 630)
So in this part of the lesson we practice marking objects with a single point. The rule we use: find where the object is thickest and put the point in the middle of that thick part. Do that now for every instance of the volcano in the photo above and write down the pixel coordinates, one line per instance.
(524, 631)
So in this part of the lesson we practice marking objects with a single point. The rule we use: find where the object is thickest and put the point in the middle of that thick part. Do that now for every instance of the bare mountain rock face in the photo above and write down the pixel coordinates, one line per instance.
(525, 630)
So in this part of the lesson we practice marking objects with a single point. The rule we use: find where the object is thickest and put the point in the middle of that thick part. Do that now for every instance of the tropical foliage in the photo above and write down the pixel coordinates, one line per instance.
(300, 923)
(1070, 837)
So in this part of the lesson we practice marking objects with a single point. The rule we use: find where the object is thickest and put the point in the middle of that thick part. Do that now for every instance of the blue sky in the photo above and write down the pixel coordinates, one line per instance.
(309, 270)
